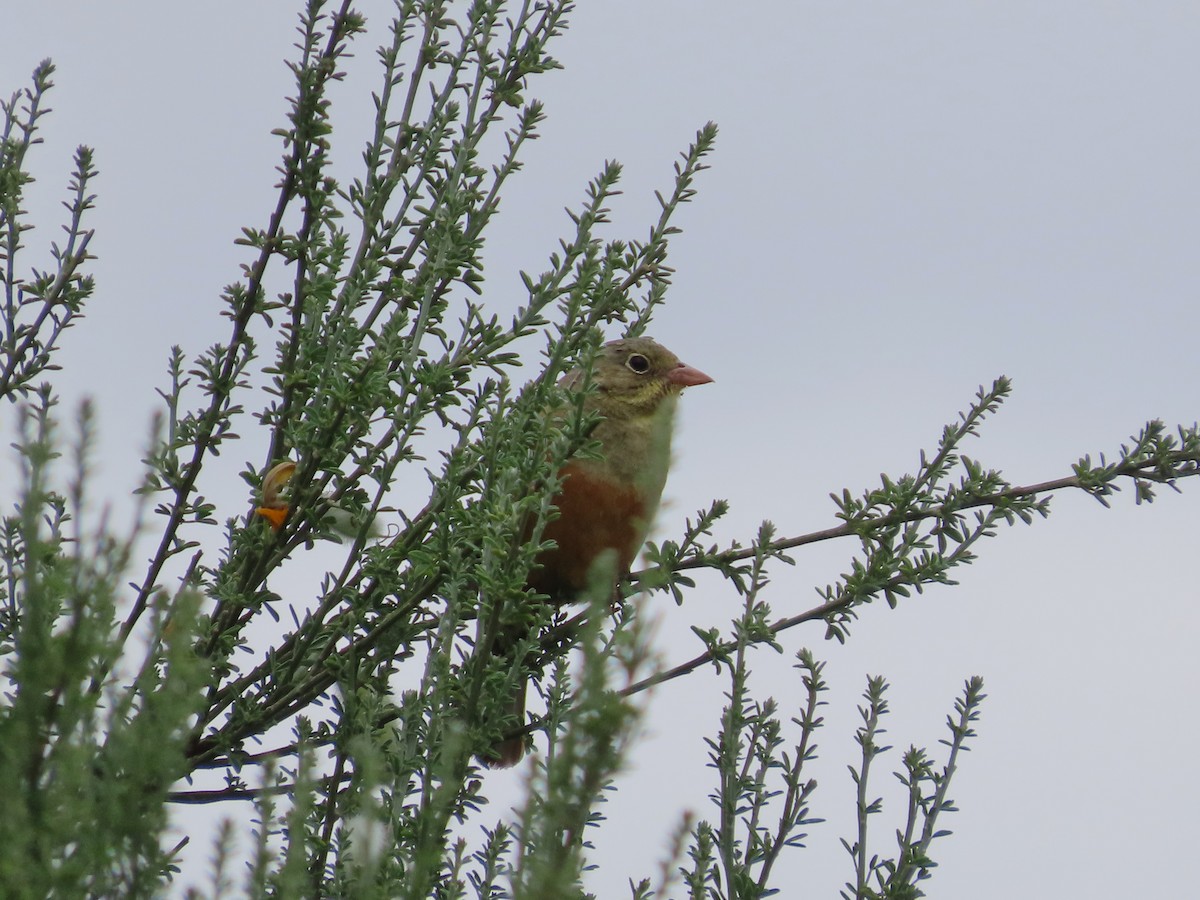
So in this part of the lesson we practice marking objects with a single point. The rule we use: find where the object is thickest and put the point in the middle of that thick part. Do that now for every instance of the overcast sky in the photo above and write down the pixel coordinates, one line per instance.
(907, 200)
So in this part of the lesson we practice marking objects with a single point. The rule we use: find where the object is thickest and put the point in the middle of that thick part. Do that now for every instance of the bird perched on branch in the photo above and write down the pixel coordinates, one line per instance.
(606, 505)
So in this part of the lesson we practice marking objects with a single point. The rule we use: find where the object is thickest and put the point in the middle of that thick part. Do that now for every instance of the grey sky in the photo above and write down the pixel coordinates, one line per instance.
(906, 201)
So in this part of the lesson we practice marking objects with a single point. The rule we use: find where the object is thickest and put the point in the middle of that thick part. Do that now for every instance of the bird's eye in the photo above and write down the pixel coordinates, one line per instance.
(638, 363)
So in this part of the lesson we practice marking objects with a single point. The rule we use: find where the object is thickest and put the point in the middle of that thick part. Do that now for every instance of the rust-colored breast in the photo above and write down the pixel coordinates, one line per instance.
(599, 530)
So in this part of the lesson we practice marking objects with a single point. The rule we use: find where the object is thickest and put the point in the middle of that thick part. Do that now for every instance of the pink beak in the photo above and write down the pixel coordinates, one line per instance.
(686, 376)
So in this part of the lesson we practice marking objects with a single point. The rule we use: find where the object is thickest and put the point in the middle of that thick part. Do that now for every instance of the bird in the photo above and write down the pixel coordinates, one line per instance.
(606, 503)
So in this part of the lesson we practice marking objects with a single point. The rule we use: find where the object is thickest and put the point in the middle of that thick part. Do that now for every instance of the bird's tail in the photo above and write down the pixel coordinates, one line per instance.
(508, 752)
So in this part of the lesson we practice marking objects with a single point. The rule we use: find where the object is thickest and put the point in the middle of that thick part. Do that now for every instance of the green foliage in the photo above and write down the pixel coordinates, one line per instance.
(87, 762)
(37, 309)
(896, 877)
(361, 344)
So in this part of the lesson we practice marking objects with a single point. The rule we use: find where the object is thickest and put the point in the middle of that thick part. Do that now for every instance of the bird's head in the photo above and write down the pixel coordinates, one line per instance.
(633, 375)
